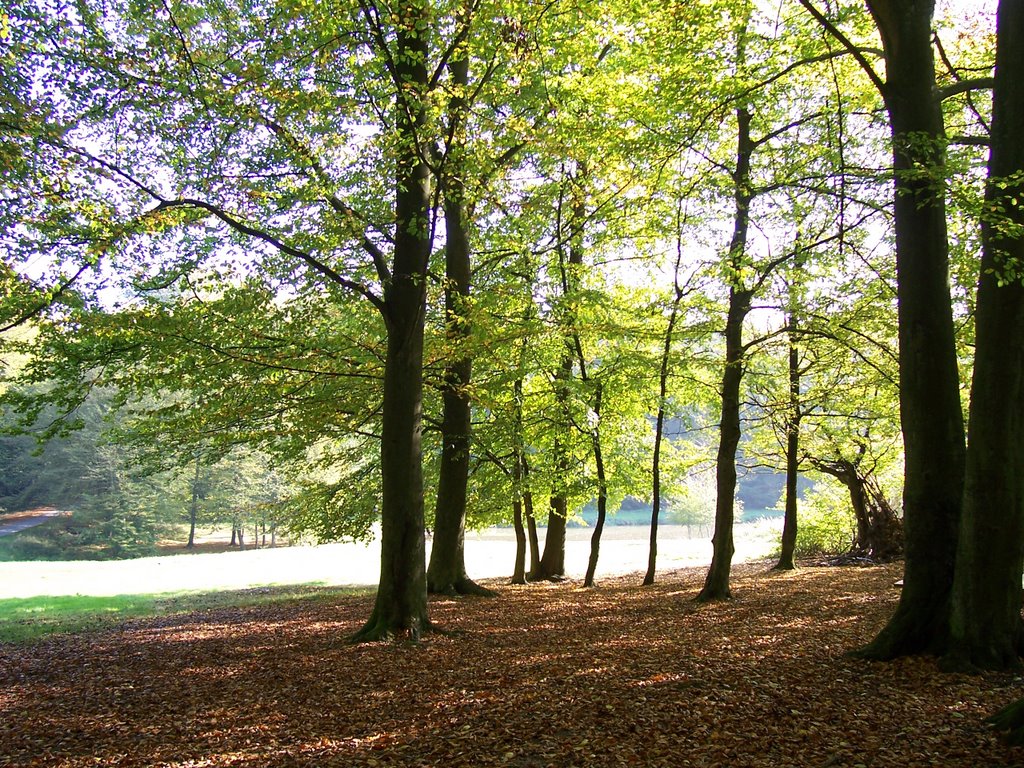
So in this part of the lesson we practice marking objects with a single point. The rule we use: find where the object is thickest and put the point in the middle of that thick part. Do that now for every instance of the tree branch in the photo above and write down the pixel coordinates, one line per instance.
(964, 86)
(266, 237)
(339, 206)
(853, 50)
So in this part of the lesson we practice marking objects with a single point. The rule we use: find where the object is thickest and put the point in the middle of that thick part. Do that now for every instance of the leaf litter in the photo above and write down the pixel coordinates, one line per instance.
(543, 675)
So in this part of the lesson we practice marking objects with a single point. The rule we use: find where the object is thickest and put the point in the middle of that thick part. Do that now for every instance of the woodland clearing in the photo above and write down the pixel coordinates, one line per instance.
(490, 553)
(543, 675)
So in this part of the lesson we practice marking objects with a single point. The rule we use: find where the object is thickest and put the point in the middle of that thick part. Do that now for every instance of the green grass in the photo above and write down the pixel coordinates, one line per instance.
(27, 620)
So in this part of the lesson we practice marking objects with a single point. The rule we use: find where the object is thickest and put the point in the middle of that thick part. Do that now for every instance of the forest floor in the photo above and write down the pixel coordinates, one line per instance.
(543, 675)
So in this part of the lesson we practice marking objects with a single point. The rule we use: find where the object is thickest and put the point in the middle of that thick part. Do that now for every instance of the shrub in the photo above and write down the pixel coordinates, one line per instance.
(826, 524)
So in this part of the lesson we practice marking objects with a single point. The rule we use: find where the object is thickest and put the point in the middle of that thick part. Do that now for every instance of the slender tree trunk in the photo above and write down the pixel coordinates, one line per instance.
(659, 425)
(716, 585)
(193, 511)
(519, 570)
(234, 535)
(400, 609)
(787, 560)
(930, 408)
(552, 563)
(518, 484)
(986, 607)
(659, 430)
(531, 526)
(602, 494)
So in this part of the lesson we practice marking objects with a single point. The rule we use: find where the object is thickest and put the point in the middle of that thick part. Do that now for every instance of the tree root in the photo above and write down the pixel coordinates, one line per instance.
(377, 630)
(463, 586)
(1011, 720)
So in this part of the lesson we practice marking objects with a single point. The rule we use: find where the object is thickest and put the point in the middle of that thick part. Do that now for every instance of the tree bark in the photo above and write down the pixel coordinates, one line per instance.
(552, 562)
(518, 480)
(659, 424)
(659, 430)
(193, 511)
(400, 609)
(602, 494)
(930, 408)
(531, 525)
(716, 584)
(787, 561)
(446, 573)
(986, 605)
(519, 569)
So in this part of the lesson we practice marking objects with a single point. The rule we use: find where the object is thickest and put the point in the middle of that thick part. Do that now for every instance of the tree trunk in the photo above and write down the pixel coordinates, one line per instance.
(930, 408)
(193, 510)
(446, 573)
(659, 425)
(787, 561)
(879, 534)
(552, 562)
(659, 430)
(234, 535)
(518, 484)
(531, 526)
(400, 609)
(716, 585)
(519, 570)
(602, 494)
(986, 606)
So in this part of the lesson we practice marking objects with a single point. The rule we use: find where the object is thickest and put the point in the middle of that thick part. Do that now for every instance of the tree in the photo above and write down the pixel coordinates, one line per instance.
(930, 408)
(985, 624)
(228, 146)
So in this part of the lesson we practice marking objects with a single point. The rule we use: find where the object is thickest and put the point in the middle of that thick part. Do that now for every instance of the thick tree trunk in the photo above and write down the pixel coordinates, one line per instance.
(787, 561)
(716, 585)
(552, 562)
(400, 609)
(986, 607)
(930, 408)
(446, 573)
(879, 534)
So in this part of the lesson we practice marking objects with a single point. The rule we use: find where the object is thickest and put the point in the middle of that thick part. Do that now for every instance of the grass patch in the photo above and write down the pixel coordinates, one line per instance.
(27, 620)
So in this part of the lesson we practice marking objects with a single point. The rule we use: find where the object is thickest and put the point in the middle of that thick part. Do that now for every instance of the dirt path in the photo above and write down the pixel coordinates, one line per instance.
(19, 521)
